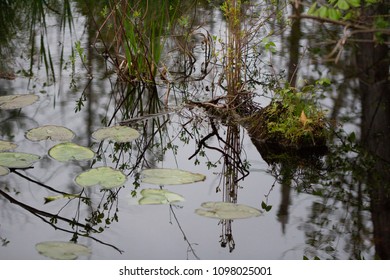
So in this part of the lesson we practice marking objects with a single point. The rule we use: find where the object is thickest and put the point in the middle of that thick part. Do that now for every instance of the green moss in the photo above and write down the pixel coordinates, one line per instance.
(292, 120)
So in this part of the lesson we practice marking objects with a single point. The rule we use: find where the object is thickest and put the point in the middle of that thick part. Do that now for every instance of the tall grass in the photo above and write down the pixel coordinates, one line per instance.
(232, 67)
(140, 29)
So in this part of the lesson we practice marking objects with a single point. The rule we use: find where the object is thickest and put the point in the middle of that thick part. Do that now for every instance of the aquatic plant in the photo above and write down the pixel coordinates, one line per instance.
(140, 29)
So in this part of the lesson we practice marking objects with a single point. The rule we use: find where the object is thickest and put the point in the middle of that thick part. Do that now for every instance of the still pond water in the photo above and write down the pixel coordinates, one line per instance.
(314, 210)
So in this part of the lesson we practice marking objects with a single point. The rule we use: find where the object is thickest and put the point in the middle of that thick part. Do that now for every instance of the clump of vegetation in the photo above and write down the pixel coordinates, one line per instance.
(292, 121)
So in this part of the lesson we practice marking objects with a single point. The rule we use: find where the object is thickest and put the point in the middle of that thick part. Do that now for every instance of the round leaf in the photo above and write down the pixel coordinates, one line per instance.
(50, 132)
(167, 176)
(6, 146)
(17, 160)
(70, 151)
(120, 134)
(227, 211)
(106, 177)
(3, 171)
(9, 102)
(60, 250)
(156, 196)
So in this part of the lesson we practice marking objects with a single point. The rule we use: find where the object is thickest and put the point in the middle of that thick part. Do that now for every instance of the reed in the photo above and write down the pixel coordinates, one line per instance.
(140, 29)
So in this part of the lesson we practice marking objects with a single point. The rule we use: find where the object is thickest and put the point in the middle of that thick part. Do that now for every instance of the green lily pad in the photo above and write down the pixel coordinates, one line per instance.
(157, 196)
(9, 102)
(6, 146)
(167, 176)
(70, 151)
(3, 171)
(50, 132)
(60, 250)
(17, 160)
(227, 210)
(120, 134)
(106, 177)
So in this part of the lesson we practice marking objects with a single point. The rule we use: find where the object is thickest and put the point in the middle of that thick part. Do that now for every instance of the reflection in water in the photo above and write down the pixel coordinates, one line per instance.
(159, 89)
(373, 64)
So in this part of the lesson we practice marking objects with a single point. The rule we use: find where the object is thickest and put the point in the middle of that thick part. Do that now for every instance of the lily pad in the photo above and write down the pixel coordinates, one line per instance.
(156, 196)
(106, 177)
(17, 160)
(3, 171)
(227, 210)
(60, 250)
(120, 134)
(50, 132)
(70, 151)
(167, 176)
(6, 146)
(9, 102)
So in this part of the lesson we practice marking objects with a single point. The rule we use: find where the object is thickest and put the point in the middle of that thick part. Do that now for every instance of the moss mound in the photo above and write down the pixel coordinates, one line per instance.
(279, 128)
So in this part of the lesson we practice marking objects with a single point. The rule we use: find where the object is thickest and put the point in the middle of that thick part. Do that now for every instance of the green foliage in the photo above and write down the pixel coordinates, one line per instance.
(80, 51)
(339, 9)
(296, 116)
(141, 27)
(265, 206)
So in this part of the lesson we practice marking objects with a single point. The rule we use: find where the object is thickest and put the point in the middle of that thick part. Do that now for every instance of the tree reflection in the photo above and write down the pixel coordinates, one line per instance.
(176, 81)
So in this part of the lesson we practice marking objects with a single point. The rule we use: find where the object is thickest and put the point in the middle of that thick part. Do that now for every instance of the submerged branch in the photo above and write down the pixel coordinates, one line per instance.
(41, 214)
(44, 185)
(36, 211)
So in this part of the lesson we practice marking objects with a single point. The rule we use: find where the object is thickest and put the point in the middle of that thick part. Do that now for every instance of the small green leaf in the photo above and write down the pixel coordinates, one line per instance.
(265, 206)
(334, 14)
(352, 137)
(312, 9)
(323, 12)
(343, 5)
(354, 3)
(49, 199)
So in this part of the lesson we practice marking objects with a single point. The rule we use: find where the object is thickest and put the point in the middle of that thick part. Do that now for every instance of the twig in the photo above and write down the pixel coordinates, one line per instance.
(40, 214)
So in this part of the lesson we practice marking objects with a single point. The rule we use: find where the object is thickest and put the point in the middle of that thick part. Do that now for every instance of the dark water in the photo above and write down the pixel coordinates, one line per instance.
(332, 207)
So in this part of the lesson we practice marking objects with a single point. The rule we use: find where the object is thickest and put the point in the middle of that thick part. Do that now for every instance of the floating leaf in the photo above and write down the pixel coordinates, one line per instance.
(3, 171)
(117, 133)
(50, 132)
(70, 151)
(17, 160)
(9, 102)
(60, 250)
(227, 211)
(49, 199)
(342, 4)
(6, 146)
(167, 176)
(157, 196)
(106, 177)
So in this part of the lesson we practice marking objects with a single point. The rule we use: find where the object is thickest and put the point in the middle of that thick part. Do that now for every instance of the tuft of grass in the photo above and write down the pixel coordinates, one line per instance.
(140, 29)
